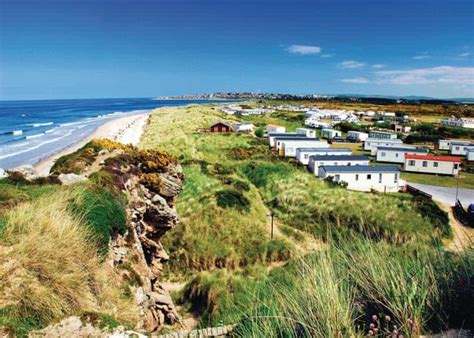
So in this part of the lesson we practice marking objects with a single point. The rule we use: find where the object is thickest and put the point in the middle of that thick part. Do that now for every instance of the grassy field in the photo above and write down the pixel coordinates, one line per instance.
(466, 180)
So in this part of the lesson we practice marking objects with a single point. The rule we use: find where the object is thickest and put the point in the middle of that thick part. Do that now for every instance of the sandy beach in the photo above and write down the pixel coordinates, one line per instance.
(127, 130)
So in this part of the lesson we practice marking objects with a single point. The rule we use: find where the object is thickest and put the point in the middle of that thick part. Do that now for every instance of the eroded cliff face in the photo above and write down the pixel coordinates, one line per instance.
(138, 255)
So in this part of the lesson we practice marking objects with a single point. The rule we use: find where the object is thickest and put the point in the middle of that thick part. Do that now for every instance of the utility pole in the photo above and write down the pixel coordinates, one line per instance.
(457, 188)
(272, 215)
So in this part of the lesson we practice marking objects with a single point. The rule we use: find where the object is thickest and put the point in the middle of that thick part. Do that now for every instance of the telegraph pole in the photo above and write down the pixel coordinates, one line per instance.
(272, 215)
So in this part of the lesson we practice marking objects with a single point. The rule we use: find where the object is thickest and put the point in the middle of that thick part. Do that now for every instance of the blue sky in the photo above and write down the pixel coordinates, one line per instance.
(141, 48)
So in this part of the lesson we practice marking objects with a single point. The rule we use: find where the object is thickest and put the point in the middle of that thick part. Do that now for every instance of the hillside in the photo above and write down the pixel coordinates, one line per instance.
(381, 250)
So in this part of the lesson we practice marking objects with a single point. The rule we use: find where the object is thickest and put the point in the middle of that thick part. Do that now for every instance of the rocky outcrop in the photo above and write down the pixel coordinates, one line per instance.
(139, 254)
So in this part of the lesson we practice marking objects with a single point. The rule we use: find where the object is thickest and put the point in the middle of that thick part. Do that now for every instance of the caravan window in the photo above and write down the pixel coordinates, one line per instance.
(396, 178)
(357, 177)
(380, 178)
(337, 177)
(369, 176)
(425, 163)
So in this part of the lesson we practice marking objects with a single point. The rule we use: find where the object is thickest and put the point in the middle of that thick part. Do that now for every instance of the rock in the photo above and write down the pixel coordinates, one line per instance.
(77, 327)
(67, 179)
(171, 185)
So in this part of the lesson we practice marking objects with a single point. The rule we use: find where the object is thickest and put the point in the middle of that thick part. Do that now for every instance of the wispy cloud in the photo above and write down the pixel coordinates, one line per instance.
(464, 55)
(304, 49)
(459, 76)
(352, 64)
(421, 56)
(378, 66)
(325, 56)
(356, 80)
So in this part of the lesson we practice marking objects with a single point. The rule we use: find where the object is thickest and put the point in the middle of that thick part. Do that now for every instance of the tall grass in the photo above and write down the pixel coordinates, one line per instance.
(49, 265)
(336, 292)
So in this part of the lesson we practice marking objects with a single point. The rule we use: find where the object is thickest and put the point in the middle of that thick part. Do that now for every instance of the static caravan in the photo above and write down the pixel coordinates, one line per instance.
(382, 135)
(443, 165)
(330, 133)
(303, 154)
(272, 136)
(357, 136)
(273, 128)
(287, 147)
(364, 177)
(397, 154)
(374, 150)
(470, 154)
(444, 144)
(374, 143)
(331, 160)
(243, 127)
(459, 147)
(306, 131)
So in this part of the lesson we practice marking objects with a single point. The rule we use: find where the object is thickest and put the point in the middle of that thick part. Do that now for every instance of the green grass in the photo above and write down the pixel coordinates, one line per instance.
(335, 293)
(466, 180)
(212, 234)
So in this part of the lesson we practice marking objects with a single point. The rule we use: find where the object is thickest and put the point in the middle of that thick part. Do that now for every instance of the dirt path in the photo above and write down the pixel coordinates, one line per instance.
(307, 244)
(189, 320)
(463, 237)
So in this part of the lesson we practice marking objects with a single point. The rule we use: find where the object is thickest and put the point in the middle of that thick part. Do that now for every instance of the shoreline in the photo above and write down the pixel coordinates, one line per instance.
(126, 129)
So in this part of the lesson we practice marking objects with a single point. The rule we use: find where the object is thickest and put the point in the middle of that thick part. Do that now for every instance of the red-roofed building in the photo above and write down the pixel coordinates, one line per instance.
(442, 165)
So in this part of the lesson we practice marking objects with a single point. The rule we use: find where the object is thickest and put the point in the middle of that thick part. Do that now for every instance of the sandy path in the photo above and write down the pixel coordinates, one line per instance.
(127, 130)
(463, 237)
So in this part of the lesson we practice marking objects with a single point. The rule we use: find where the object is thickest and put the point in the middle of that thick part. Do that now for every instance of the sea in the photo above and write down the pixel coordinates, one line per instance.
(35, 129)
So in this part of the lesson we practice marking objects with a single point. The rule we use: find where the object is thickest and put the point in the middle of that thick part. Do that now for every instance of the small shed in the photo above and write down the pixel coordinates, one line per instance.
(220, 127)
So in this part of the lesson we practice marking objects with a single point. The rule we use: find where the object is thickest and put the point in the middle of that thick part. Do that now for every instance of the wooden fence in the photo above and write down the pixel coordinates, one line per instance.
(417, 192)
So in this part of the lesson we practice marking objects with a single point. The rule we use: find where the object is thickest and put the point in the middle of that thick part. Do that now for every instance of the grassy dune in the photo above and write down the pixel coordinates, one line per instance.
(214, 162)
(50, 262)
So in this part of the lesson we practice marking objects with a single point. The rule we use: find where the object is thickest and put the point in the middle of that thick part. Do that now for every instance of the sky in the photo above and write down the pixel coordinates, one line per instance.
(53, 49)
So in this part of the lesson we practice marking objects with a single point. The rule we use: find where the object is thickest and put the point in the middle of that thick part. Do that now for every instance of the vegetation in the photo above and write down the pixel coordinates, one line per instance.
(50, 266)
(466, 180)
(53, 239)
(353, 288)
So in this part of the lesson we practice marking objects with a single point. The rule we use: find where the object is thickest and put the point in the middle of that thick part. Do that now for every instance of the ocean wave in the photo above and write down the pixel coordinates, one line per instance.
(13, 132)
(33, 136)
(35, 146)
(42, 124)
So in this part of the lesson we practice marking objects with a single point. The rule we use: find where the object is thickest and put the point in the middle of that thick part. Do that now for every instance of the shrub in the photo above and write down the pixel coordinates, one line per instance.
(232, 199)
(152, 181)
(259, 132)
(17, 177)
(102, 212)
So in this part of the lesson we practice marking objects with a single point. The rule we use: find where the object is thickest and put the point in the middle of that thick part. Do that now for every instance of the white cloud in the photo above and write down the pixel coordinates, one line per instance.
(378, 66)
(455, 76)
(325, 56)
(464, 55)
(422, 56)
(352, 64)
(355, 80)
(304, 49)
